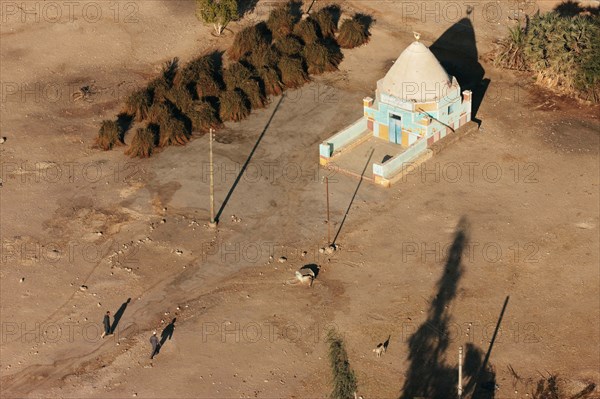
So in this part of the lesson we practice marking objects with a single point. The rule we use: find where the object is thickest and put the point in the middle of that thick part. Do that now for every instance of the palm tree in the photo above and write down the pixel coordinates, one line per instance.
(233, 106)
(354, 32)
(203, 116)
(320, 58)
(281, 21)
(138, 103)
(307, 30)
(292, 72)
(109, 135)
(143, 142)
(249, 39)
(289, 45)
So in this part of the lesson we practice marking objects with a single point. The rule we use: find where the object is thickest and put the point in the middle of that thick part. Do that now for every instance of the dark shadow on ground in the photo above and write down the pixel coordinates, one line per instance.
(572, 8)
(119, 314)
(353, 197)
(456, 49)
(313, 267)
(167, 332)
(246, 6)
(239, 176)
(428, 375)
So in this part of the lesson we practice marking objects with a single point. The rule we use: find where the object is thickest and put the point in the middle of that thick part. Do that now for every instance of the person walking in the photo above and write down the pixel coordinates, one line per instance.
(106, 323)
(155, 344)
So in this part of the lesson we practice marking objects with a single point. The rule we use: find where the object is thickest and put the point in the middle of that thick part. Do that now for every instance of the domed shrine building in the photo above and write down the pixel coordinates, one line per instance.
(416, 104)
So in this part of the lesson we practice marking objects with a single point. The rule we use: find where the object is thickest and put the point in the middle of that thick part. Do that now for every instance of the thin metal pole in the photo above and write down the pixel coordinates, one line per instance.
(328, 221)
(212, 223)
(460, 388)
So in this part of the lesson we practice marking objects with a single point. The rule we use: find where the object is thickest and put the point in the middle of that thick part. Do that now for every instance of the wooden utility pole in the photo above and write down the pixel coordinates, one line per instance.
(328, 220)
(213, 222)
(460, 356)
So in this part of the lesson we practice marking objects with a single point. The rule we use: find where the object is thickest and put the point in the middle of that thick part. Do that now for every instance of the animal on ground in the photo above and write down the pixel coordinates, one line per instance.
(382, 347)
(307, 278)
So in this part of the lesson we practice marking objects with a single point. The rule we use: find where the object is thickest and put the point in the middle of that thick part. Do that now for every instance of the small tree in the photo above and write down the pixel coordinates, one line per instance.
(217, 12)
(344, 380)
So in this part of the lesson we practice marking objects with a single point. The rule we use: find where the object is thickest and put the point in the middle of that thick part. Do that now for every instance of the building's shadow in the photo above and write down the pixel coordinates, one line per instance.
(428, 375)
(456, 49)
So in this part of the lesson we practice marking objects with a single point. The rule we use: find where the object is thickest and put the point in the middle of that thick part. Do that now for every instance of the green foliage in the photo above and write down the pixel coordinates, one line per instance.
(563, 51)
(344, 379)
(354, 32)
(281, 21)
(292, 72)
(320, 58)
(143, 142)
(109, 135)
(217, 12)
(512, 52)
(233, 106)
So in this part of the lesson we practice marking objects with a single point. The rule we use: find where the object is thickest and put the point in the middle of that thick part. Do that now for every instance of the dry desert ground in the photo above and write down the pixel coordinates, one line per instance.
(491, 245)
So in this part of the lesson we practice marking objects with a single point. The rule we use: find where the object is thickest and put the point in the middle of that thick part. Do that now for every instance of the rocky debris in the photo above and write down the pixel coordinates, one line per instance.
(179, 252)
(328, 250)
(282, 259)
(235, 219)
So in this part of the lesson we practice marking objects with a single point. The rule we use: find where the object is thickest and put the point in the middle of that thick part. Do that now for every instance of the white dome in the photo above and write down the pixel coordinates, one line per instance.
(416, 76)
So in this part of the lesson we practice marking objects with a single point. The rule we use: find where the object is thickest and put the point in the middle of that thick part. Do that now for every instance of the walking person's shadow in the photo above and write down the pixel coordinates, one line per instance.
(168, 331)
(118, 315)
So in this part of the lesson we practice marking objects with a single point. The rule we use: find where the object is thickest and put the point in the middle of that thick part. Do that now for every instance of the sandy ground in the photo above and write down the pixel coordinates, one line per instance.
(506, 218)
